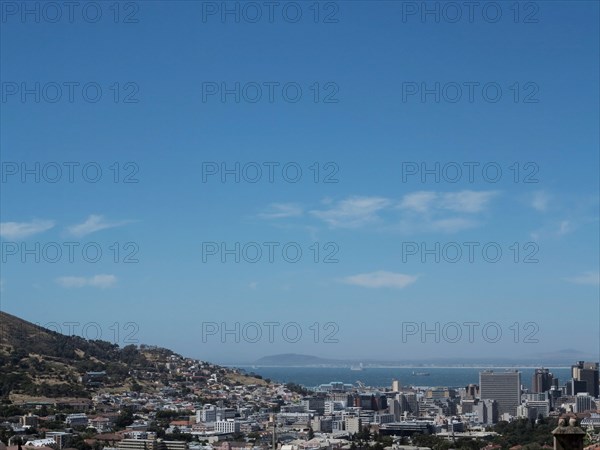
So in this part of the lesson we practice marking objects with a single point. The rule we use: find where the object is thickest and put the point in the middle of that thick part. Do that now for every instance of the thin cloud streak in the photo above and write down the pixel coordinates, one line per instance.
(587, 278)
(97, 281)
(22, 230)
(353, 212)
(380, 279)
(92, 224)
(282, 211)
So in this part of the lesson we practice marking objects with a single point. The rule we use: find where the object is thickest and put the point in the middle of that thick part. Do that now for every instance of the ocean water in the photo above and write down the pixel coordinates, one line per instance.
(382, 377)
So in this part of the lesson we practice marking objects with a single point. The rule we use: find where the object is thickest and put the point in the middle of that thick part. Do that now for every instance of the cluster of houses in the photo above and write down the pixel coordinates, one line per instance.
(207, 407)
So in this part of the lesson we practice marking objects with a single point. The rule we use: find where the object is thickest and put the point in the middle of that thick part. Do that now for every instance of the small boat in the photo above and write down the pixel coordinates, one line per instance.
(359, 367)
(420, 374)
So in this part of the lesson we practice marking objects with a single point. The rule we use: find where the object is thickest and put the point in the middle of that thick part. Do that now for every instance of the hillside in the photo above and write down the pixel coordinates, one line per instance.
(39, 363)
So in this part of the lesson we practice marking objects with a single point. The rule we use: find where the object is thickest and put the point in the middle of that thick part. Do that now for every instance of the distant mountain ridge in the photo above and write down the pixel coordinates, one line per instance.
(558, 358)
(294, 359)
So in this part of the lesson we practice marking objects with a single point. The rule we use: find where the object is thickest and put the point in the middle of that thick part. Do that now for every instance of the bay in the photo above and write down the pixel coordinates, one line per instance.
(382, 376)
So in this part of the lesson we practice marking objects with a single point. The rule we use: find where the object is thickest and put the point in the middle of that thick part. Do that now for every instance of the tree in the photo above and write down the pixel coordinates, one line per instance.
(433, 442)
(365, 434)
(523, 432)
(125, 418)
(254, 435)
(298, 389)
(469, 444)
(79, 443)
(5, 435)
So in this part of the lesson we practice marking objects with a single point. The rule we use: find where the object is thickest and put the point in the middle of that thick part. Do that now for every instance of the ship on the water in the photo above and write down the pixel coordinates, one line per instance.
(359, 367)
(420, 374)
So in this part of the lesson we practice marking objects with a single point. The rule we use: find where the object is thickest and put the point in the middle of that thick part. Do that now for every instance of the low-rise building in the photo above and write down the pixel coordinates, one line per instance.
(227, 426)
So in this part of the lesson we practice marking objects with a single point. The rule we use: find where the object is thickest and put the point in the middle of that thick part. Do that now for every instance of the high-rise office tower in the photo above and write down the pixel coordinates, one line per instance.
(471, 391)
(541, 381)
(574, 387)
(588, 373)
(408, 403)
(487, 411)
(584, 402)
(394, 408)
(504, 387)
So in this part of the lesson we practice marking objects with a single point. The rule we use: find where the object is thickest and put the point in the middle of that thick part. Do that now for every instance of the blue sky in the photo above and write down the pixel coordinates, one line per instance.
(161, 126)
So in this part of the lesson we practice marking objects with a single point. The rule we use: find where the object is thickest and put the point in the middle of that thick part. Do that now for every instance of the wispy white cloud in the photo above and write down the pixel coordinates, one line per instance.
(419, 201)
(554, 230)
(282, 211)
(445, 212)
(564, 227)
(467, 201)
(92, 224)
(428, 211)
(540, 201)
(97, 281)
(22, 230)
(353, 212)
(461, 202)
(589, 278)
(380, 279)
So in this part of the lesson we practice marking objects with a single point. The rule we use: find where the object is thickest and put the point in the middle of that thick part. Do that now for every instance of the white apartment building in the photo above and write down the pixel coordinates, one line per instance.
(208, 413)
(352, 424)
(77, 419)
(332, 406)
(227, 426)
(584, 402)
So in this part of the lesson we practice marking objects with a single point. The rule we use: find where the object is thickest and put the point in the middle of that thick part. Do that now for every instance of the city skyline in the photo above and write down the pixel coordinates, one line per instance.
(146, 397)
